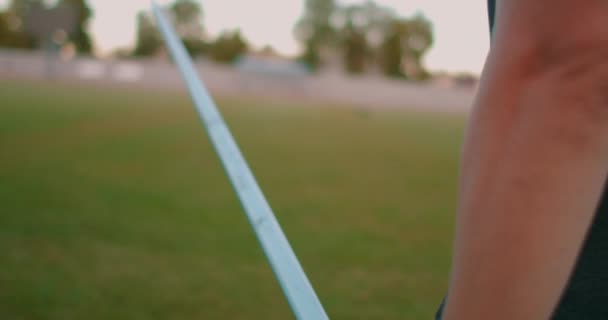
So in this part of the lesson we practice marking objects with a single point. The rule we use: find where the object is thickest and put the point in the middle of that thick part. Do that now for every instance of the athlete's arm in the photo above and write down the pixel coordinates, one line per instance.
(535, 160)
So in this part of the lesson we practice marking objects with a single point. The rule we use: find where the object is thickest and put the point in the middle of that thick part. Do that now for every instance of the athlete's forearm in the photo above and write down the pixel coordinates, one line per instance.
(534, 165)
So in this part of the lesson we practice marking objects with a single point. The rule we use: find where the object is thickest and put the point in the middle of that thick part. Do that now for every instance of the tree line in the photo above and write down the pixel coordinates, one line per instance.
(364, 37)
(358, 38)
(187, 16)
(13, 25)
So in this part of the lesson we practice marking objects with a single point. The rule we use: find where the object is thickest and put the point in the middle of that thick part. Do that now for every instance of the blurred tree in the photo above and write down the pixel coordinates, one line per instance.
(13, 33)
(6, 32)
(5, 29)
(419, 41)
(187, 20)
(10, 37)
(187, 17)
(360, 31)
(80, 36)
(365, 36)
(315, 31)
(356, 51)
(122, 53)
(391, 51)
(311, 56)
(368, 18)
(196, 47)
(268, 51)
(21, 7)
(19, 10)
(148, 40)
(404, 46)
(228, 47)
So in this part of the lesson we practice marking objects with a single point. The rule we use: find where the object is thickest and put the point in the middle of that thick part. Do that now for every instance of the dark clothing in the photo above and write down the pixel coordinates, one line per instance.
(491, 13)
(586, 295)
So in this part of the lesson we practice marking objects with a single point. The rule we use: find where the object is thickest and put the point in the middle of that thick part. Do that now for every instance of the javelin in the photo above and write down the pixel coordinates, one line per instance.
(298, 290)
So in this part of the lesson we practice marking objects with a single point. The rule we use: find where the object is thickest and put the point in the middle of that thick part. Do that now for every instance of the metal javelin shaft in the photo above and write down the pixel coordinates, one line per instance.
(298, 290)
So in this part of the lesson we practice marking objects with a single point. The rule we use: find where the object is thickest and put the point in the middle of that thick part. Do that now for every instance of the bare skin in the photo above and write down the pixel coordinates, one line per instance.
(535, 160)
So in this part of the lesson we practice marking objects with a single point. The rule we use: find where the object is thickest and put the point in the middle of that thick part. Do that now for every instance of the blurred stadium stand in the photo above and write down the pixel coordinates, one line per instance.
(250, 77)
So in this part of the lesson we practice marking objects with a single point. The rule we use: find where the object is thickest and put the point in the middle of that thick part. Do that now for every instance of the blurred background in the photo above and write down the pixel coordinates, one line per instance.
(350, 113)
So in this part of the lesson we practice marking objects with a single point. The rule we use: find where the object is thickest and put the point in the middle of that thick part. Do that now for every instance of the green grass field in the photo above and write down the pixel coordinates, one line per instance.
(114, 206)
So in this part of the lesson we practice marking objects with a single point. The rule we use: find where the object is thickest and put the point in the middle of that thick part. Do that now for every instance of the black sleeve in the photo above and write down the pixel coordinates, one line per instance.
(491, 12)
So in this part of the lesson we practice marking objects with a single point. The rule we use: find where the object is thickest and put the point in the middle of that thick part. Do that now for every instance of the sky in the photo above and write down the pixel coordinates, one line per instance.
(460, 27)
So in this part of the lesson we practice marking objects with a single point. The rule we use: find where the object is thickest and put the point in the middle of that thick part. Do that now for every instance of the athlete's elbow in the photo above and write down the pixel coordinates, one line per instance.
(571, 80)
